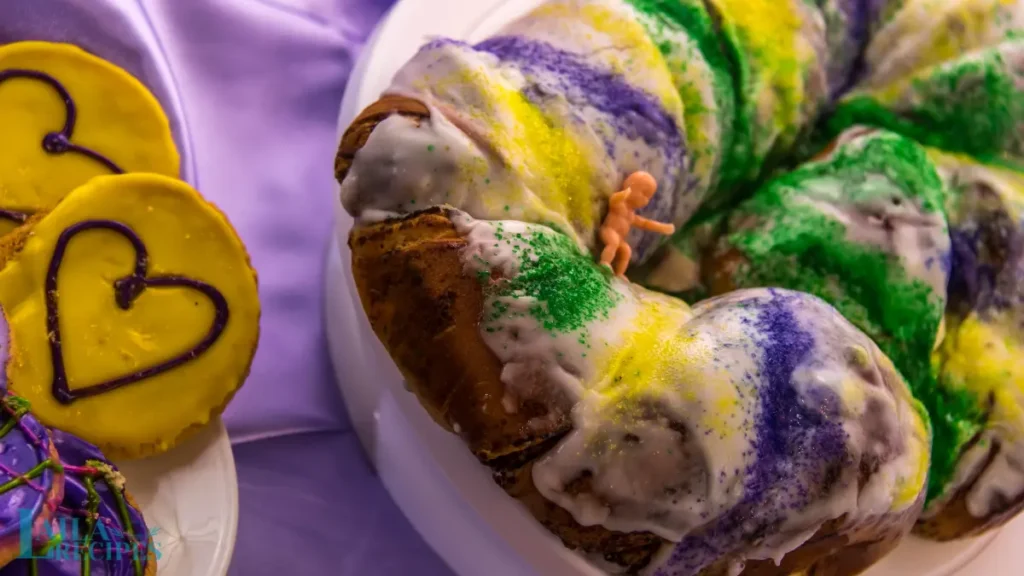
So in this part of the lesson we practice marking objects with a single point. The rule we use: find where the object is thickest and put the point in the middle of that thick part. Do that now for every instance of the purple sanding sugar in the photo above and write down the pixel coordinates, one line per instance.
(634, 113)
(858, 20)
(628, 110)
(625, 111)
(799, 450)
(5, 350)
(969, 277)
(987, 260)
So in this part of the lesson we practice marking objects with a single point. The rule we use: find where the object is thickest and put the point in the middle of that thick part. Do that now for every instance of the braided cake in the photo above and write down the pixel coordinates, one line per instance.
(845, 179)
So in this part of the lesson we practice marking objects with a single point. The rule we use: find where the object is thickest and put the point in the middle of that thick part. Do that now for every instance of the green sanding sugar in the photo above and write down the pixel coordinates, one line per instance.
(902, 161)
(974, 107)
(795, 246)
(724, 58)
(570, 290)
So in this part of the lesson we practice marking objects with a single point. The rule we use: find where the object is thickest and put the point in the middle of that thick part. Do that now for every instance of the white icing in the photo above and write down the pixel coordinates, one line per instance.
(606, 34)
(475, 152)
(1000, 483)
(470, 153)
(530, 355)
(921, 34)
(670, 450)
(993, 465)
(694, 77)
(407, 163)
(736, 568)
(603, 565)
(919, 239)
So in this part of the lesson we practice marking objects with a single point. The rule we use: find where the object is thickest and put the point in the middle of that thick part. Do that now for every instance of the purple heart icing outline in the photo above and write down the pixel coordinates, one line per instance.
(126, 290)
(14, 216)
(56, 143)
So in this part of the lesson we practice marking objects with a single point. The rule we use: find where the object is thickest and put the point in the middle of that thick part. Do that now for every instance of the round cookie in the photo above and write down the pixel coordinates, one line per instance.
(133, 312)
(31, 477)
(97, 518)
(69, 116)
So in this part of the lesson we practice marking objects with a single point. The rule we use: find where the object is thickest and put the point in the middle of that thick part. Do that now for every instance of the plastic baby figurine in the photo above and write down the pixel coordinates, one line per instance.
(622, 207)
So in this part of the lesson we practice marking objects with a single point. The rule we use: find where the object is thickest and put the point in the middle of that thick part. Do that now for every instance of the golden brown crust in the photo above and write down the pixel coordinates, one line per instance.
(359, 131)
(425, 306)
(720, 270)
(426, 309)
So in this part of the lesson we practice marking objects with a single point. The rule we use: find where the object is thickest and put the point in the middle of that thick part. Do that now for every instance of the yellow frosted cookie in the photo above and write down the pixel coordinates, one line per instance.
(67, 117)
(133, 313)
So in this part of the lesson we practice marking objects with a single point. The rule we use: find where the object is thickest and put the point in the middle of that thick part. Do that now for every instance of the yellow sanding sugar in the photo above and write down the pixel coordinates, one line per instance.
(769, 31)
(636, 58)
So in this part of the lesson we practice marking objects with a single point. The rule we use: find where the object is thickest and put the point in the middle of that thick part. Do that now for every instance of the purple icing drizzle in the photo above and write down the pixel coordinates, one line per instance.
(56, 143)
(799, 452)
(14, 216)
(126, 290)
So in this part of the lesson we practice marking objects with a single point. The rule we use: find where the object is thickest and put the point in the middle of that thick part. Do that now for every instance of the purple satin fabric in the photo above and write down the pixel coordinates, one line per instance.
(261, 83)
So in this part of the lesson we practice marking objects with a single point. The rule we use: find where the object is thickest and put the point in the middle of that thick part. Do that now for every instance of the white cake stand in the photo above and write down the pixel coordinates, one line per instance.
(447, 495)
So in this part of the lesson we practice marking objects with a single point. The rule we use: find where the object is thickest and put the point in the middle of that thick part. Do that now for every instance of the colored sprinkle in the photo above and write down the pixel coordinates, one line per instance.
(570, 290)
(974, 107)
(796, 448)
(797, 247)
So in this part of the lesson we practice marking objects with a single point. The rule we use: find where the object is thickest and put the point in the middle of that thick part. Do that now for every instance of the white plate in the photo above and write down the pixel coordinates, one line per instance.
(447, 495)
(191, 493)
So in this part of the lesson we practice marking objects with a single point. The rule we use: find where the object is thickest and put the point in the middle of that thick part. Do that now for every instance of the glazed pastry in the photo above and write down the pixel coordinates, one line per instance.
(69, 116)
(782, 61)
(984, 343)
(133, 313)
(98, 519)
(948, 73)
(589, 398)
(871, 228)
(544, 121)
(685, 32)
(863, 227)
(503, 328)
(32, 482)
